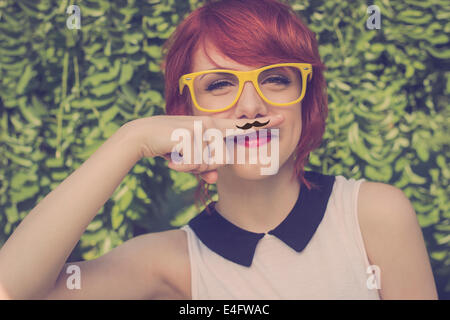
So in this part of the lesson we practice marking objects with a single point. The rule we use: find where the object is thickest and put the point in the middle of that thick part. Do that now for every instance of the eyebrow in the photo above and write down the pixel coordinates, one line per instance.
(221, 68)
(218, 68)
(214, 68)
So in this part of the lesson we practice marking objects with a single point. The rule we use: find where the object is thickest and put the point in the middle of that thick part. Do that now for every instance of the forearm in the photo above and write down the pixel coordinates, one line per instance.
(33, 256)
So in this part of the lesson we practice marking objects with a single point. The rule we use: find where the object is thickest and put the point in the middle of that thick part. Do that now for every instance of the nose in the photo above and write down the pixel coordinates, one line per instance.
(250, 104)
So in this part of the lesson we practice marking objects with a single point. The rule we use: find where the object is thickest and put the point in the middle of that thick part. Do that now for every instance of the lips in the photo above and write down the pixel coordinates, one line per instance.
(250, 141)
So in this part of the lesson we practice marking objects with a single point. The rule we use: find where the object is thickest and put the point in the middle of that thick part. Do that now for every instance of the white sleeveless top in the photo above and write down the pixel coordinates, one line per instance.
(317, 252)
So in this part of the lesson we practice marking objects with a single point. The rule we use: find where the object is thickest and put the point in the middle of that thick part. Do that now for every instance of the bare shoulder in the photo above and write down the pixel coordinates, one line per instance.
(173, 263)
(394, 242)
(165, 255)
(381, 204)
(149, 266)
(381, 207)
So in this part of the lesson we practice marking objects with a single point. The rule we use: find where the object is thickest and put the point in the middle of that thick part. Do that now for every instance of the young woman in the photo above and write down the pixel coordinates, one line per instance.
(287, 235)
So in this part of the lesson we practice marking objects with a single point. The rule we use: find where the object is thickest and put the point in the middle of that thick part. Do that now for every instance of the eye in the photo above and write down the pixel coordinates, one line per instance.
(218, 85)
(277, 80)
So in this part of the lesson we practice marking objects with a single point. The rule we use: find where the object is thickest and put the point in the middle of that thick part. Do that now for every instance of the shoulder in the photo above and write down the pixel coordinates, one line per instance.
(170, 257)
(394, 241)
(173, 262)
(149, 266)
(382, 209)
(383, 204)
(382, 196)
(163, 244)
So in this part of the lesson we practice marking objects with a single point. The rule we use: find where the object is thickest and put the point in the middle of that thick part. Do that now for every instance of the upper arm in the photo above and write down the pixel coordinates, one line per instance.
(132, 270)
(394, 242)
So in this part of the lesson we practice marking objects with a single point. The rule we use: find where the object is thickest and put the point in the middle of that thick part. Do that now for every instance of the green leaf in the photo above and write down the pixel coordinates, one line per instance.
(97, 78)
(427, 219)
(126, 73)
(125, 200)
(116, 217)
(109, 114)
(17, 159)
(357, 145)
(382, 174)
(94, 225)
(92, 238)
(24, 193)
(89, 103)
(413, 178)
(54, 162)
(12, 214)
(109, 129)
(25, 79)
(440, 54)
(414, 17)
(19, 180)
(104, 89)
(153, 51)
(154, 96)
(130, 94)
(29, 113)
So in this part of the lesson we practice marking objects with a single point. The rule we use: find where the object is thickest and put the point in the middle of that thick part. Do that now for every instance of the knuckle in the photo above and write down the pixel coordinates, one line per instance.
(203, 167)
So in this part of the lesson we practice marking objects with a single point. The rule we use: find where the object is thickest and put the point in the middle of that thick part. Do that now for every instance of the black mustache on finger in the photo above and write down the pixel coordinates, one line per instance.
(255, 123)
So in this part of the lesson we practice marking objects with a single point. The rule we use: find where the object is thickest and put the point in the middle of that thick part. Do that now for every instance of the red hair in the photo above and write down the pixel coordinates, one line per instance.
(253, 33)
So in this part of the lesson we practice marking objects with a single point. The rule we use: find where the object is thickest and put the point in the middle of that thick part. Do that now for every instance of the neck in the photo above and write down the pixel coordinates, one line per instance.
(257, 205)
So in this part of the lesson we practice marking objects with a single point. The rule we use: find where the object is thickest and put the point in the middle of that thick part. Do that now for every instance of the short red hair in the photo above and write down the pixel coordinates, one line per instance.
(253, 33)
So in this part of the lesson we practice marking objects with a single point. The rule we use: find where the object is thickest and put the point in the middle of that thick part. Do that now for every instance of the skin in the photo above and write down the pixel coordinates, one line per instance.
(394, 242)
(252, 201)
(156, 265)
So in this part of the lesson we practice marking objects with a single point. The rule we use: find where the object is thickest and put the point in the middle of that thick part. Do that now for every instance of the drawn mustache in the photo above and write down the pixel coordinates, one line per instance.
(255, 123)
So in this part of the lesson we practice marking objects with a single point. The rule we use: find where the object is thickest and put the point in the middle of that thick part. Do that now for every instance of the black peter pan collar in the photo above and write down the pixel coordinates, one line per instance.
(296, 230)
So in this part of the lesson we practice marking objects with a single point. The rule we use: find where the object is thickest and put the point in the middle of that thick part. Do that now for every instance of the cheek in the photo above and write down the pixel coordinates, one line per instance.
(298, 129)
(293, 134)
(293, 131)
(298, 122)
(196, 112)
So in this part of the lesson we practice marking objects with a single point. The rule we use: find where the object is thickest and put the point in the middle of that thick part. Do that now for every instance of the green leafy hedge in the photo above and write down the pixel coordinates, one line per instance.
(63, 92)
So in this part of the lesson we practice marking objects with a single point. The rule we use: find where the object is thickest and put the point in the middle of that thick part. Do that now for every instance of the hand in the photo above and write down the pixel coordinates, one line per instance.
(155, 138)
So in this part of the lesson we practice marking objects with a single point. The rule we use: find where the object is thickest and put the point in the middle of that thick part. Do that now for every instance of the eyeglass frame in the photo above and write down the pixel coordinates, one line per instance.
(243, 77)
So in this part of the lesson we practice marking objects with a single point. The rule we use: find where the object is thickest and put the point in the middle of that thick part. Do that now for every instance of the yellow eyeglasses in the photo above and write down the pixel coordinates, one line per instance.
(218, 90)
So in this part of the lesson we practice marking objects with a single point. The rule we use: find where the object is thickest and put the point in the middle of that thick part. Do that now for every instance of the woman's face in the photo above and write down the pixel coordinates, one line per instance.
(249, 106)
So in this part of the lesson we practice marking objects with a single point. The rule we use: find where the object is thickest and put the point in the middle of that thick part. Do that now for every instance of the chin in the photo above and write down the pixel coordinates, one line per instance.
(245, 171)
(251, 171)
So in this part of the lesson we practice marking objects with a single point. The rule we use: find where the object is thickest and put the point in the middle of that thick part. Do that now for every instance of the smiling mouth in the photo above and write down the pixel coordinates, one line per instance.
(250, 139)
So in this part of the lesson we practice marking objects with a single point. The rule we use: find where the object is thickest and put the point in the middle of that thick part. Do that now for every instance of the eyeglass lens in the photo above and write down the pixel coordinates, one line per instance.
(217, 90)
